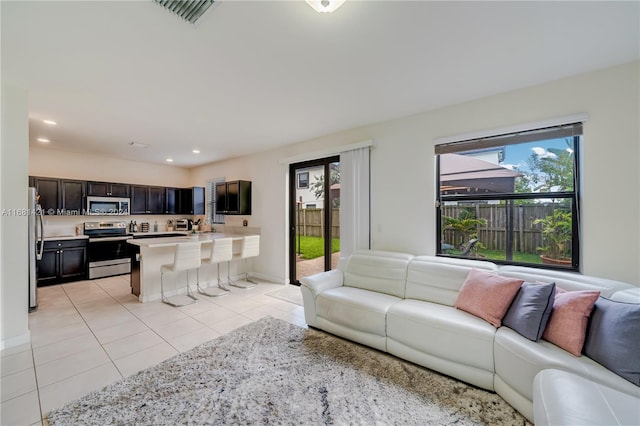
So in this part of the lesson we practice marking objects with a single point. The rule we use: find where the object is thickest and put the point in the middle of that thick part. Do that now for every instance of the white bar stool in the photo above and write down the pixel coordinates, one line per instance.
(187, 256)
(250, 248)
(221, 251)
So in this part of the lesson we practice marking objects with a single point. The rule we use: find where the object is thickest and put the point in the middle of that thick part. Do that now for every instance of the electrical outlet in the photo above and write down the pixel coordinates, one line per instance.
(245, 222)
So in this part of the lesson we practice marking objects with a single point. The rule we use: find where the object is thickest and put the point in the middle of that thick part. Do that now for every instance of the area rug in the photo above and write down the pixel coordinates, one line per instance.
(272, 372)
(290, 293)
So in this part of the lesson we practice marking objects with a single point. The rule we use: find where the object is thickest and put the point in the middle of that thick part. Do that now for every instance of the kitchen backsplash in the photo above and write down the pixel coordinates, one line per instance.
(62, 226)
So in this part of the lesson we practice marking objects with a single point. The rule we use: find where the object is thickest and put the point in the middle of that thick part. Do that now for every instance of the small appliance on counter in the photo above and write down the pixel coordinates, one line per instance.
(184, 225)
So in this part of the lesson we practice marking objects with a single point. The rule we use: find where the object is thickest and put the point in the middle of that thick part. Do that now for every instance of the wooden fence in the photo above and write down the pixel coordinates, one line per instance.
(311, 222)
(527, 237)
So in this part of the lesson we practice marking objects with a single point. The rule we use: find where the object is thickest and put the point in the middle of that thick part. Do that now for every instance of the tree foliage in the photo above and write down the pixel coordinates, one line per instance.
(465, 224)
(318, 185)
(549, 173)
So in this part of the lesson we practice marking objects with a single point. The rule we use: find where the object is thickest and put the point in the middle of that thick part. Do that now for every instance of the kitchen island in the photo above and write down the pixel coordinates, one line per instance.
(149, 254)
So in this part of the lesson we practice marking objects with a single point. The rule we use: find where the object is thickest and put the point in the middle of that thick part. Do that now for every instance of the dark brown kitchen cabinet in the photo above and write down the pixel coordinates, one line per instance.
(60, 196)
(147, 199)
(172, 201)
(62, 261)
(192, 200)
(108, 189)
(72, 195)
(233, 198)
(48, 190)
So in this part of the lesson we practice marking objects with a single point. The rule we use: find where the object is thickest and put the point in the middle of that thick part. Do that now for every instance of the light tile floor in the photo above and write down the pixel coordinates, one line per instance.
(88, 334)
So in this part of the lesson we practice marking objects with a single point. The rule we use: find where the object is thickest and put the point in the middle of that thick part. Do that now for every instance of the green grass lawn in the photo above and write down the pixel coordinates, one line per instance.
(500, 255)
(312, 247)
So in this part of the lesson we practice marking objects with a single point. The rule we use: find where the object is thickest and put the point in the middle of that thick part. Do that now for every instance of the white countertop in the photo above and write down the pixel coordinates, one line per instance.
(171, 241)
(66, 237)
(136, 234)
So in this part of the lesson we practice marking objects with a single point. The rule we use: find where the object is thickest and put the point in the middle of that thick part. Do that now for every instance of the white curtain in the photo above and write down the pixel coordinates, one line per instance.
(354, 201)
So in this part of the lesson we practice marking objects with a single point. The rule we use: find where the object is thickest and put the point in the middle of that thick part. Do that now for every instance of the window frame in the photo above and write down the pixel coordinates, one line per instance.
(573, 196)
(210, 197)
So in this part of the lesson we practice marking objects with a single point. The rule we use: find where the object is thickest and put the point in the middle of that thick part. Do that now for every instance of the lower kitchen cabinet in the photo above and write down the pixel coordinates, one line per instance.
(62, 261)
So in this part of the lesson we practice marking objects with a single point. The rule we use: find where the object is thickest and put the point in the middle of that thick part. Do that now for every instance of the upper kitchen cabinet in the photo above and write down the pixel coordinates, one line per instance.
(48, 190)
(108, 189)
(72, 194)
(172, 201)
(192, 200)
(147, 199)
(233, 198)
(60, 196)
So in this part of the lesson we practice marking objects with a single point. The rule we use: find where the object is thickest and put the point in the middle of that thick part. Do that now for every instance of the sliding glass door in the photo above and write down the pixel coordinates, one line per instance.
(314, 217)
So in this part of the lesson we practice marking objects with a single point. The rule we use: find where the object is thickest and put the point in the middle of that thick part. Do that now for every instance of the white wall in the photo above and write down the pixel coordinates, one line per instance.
(14, 275)
(61, 164)
(403, 176)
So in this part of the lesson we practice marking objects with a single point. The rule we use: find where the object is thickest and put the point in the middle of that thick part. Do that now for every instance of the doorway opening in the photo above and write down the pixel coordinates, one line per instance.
(314, 217)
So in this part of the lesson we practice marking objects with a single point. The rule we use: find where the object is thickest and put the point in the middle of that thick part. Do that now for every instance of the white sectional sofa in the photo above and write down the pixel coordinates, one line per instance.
(404, 305)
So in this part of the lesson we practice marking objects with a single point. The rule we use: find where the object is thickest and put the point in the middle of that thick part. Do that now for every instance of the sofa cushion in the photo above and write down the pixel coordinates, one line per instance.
(530, 310)
(359, 309)
(379, 271)
(613, 338)
(438, 279)
(487, 295)
(518, 360)
(630, 295)
(562, 398)
(570, 281)
(442, 331)
(567, 325)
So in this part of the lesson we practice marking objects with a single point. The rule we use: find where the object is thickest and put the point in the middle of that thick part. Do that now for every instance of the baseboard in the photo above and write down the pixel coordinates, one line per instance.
(15, 341)
(270, 278)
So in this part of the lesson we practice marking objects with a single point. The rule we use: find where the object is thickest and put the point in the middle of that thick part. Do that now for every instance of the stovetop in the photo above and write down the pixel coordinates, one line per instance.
(105, 229)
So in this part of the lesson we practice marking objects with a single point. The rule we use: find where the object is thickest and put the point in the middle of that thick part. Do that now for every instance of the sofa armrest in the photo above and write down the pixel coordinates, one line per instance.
(323, 281)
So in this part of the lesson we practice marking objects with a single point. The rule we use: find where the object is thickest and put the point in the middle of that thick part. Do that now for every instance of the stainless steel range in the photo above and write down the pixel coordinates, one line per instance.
(108, 251)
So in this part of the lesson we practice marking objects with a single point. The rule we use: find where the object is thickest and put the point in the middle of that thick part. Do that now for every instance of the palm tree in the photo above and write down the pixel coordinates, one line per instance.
(465, 224)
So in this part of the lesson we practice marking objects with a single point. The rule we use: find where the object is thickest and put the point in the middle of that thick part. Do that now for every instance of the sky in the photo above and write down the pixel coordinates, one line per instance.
(517, 155)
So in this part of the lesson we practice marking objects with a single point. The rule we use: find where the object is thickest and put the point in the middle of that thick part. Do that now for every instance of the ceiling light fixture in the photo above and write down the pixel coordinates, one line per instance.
(138, 145)
(325, 6)
(51, 122)
(169, 160)
(43, 140)
(196, 151)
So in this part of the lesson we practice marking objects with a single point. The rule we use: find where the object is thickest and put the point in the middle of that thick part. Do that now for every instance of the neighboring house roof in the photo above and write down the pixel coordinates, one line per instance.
(462, 174)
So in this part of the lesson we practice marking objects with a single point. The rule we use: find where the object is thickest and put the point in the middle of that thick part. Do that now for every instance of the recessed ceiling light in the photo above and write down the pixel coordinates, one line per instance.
(43, 140)
(169, 160)
(53, 123)
(196, 151)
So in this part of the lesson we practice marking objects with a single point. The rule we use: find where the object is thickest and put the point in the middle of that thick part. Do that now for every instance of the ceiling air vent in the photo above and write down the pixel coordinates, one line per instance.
(189, 10)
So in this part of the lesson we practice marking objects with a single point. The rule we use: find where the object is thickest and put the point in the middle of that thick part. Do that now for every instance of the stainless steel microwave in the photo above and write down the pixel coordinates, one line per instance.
(108, 206)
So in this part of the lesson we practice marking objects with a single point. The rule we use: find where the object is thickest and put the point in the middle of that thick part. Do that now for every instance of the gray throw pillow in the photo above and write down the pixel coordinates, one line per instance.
(613, 338)
(530, 310)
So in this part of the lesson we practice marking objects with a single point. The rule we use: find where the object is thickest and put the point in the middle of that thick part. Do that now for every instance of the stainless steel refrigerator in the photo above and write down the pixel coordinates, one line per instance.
(36, 244)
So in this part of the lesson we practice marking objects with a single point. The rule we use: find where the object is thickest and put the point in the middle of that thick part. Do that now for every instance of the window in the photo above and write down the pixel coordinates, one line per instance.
(211, 201)
(303, 180)
(511, 199)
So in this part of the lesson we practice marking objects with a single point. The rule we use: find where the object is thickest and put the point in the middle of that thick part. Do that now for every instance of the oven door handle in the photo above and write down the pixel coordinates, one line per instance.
(97, 240)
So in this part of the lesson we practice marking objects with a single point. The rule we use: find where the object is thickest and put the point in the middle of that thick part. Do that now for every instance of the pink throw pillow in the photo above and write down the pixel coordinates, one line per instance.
(487, 295)
(567, 326)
